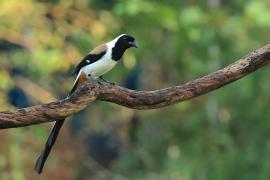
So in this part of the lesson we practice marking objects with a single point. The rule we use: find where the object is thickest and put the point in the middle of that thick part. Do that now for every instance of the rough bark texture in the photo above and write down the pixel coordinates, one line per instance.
(91, 91)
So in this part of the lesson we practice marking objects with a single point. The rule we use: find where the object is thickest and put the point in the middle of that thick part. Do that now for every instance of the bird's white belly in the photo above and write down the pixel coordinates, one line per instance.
(99, 68)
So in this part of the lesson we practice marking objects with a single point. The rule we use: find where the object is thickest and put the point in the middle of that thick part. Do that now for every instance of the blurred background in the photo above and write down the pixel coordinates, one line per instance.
(219, 136)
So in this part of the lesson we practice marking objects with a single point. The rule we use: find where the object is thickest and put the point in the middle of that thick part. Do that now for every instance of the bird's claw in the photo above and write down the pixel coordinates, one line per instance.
(100, 83)
(111, 83)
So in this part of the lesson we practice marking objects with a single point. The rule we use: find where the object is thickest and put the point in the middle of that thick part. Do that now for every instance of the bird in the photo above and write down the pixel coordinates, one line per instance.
(95, 64)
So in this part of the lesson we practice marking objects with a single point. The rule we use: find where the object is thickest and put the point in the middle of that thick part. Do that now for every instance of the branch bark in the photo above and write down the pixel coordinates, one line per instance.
(91, 91)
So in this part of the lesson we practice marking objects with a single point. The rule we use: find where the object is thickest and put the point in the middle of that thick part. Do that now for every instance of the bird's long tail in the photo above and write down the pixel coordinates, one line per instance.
(55, 130)
(48, 146)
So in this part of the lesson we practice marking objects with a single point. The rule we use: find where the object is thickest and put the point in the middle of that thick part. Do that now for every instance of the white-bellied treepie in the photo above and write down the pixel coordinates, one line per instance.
(98, 62)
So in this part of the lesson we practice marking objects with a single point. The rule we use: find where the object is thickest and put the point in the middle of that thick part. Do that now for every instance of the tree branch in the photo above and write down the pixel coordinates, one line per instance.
(91, 91)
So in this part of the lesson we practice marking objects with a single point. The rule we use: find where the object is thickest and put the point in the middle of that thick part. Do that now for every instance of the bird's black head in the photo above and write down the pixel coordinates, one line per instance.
(122, 43)
(126, 41)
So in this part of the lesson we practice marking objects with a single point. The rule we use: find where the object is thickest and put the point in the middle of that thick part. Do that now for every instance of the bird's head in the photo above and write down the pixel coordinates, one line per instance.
(125, 41)
(120, 44)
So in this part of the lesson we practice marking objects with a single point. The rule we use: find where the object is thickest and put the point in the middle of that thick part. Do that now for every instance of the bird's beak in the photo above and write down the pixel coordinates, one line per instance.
(133, 44)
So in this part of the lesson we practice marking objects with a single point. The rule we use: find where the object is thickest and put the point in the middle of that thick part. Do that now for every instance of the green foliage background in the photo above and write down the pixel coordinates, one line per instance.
(222, 135)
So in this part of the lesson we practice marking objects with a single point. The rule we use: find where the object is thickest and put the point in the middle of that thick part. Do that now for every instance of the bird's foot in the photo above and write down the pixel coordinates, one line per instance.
(100, 82)
(111, 83)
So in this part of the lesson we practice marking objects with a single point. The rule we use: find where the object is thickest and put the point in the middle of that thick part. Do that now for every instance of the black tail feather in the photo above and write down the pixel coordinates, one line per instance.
(50, 142)
(52, 137)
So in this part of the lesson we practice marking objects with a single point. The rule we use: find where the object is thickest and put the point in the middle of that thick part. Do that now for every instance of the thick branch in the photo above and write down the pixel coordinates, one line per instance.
(91, 91)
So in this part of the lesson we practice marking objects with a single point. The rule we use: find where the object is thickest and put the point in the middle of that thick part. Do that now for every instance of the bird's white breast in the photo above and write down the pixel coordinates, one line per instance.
(101, 66)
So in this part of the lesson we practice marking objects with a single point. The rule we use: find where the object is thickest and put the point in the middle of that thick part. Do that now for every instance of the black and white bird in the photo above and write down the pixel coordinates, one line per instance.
(98, 62)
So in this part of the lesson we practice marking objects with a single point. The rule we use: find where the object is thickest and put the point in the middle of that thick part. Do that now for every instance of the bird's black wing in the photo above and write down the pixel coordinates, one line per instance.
(92, 57)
